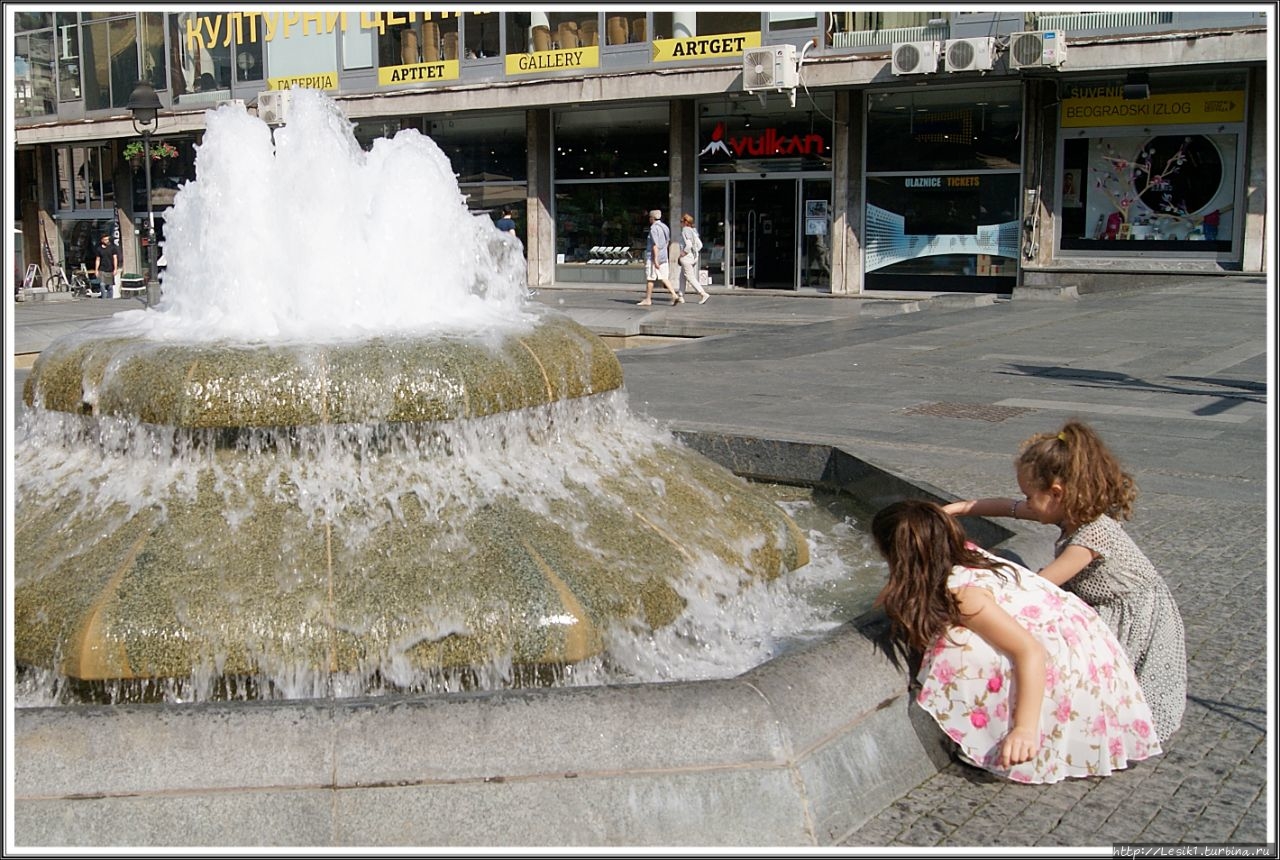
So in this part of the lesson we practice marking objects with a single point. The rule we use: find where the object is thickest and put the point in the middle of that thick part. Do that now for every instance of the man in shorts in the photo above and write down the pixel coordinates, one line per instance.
(656, 265)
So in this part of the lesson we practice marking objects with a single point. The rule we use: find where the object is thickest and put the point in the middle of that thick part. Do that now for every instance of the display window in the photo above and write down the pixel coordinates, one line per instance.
(611, 166)
(211, 52)
(942, 189)
(1156, 173)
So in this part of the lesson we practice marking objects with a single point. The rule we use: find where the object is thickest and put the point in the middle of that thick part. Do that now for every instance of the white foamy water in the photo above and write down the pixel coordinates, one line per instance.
(302, 236)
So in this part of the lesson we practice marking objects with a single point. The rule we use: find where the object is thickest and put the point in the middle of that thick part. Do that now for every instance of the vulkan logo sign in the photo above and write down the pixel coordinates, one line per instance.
(764, 145)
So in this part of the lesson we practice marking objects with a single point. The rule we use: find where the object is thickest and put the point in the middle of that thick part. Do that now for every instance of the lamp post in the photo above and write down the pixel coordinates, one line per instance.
(145, 106)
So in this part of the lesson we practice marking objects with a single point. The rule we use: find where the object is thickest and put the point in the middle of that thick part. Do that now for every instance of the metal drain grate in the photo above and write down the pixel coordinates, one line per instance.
(972, 411)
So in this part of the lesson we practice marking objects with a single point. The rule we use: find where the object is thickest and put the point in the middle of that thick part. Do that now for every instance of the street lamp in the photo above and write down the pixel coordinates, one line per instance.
(145, 106)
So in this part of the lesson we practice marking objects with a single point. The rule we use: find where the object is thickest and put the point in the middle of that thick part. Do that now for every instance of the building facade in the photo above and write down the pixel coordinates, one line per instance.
(836, 152)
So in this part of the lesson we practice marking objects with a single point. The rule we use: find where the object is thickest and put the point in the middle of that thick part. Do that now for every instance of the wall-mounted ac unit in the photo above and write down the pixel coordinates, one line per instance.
(1037, 49)
(235, 103)
(969, 55)
(915, 58)
(273, 106)
(772, 67)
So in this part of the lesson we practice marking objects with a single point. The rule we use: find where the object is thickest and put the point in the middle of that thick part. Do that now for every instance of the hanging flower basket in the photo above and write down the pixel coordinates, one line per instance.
(160, 153)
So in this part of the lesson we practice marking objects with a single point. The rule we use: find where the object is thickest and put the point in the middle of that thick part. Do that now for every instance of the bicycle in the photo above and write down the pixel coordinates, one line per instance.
(78, 283)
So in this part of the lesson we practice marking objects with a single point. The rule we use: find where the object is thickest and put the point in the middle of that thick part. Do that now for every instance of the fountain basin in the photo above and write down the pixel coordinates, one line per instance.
(800, 751)
(321, 518)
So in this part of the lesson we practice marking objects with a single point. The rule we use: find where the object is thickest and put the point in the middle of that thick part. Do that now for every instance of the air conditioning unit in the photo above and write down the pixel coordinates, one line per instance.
(915, 58)
(235, 103)
(772, 67)
(1037, 49)
(969, 55)
(273, 106)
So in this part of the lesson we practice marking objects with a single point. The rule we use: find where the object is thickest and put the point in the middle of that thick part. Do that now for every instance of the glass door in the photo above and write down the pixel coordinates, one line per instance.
(715, 230)
(815, 215)
(763, 250)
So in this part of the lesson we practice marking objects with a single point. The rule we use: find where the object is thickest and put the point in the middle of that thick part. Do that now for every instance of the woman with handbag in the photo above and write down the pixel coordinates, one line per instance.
(690, 250)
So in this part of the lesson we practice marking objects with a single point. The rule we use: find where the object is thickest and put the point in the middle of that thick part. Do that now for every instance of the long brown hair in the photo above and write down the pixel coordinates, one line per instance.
(1093, 482)
(922, 543)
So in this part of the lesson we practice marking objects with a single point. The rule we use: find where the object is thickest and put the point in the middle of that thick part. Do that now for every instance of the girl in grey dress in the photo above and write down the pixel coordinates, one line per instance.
(1071, 480)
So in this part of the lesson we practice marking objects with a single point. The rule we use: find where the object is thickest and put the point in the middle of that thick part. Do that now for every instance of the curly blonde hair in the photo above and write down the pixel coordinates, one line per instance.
(1093, 482)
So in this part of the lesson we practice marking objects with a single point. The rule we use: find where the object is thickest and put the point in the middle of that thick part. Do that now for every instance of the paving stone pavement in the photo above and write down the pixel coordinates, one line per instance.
(942, 389)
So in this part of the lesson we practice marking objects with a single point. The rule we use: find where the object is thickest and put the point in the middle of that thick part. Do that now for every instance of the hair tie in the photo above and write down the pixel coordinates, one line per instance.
(1062, 437)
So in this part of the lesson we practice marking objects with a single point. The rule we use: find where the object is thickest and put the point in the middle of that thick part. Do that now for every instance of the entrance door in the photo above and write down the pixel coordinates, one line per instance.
(763, 253)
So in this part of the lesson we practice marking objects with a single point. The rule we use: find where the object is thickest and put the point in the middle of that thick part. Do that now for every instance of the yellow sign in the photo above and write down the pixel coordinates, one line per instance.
(1166, 109)
(702, 47)
(418, 72)
(313, 81)
(553, 61)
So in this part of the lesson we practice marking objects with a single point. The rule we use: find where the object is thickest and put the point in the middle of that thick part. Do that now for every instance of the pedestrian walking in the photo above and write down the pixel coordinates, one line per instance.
(657, 267)
(1024, 677)
(690, 251)
(1072, 480)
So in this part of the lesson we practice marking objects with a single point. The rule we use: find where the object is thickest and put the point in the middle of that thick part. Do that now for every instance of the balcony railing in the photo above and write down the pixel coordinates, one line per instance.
(1078, 21)
(885, 38)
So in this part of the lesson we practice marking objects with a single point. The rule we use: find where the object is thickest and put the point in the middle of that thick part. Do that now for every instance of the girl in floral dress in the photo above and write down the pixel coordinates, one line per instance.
(1023, 676)
(1072, 480)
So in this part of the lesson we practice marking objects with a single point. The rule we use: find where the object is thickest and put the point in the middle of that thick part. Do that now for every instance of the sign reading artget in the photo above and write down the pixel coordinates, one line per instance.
(703, 47)
(444, 70)
(553, 61)
(1103, 106)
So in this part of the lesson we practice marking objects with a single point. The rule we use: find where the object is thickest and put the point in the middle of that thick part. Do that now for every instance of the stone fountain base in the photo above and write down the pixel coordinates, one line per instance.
(800, 751)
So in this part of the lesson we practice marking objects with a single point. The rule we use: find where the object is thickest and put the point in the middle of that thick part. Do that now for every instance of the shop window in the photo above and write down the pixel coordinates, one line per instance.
(80, 237)
(24, 21)
(109, 50)
(682, 25)
(309, 50)
(611, 166)
(151, 42)
(426, 37)
(488, 149)
(34, 91)
(83, 176)
(67, 35)
(625, 28)
(1149, 192)
(611, 143)
(942, 129)
(204, 64)
(480, 31)
(781, 21)
(548, 31)
(606, 215)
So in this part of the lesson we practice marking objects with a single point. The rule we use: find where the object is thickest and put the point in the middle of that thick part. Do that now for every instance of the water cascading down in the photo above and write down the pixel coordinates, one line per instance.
(346, 453)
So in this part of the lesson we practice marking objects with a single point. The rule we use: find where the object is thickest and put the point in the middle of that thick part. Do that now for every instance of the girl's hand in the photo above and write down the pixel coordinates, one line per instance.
(958, 509)
(1019, 745)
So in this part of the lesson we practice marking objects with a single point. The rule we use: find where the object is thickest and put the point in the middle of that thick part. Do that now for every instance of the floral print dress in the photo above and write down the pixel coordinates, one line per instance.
(1094, 719)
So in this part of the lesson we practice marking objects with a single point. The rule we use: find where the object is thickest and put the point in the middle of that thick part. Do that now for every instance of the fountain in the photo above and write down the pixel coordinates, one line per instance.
(344, 457)
(345, 454)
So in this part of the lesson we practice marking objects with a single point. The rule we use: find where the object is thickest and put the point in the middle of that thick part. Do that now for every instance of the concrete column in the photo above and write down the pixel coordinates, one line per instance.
(540, 249)
(1040, 133)
(846, 193)
(683, 147)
